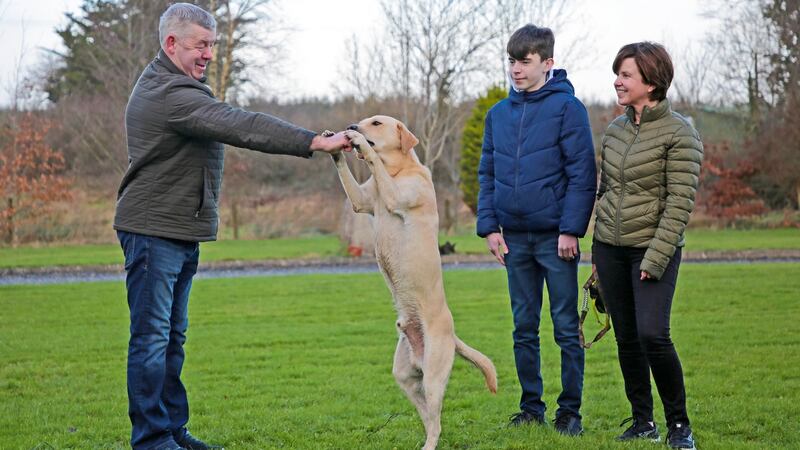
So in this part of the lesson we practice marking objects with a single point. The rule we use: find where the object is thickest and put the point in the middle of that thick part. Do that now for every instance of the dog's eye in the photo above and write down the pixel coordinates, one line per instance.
(375, 123)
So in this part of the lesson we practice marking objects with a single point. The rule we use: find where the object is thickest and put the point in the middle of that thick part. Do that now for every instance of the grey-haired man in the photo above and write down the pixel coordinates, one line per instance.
(167, 204)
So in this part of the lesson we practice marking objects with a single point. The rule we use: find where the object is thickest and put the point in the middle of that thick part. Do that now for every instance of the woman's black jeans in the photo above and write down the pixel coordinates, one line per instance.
(640, 313)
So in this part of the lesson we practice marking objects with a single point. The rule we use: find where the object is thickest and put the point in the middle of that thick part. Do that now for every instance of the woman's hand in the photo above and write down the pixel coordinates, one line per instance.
(645, 276)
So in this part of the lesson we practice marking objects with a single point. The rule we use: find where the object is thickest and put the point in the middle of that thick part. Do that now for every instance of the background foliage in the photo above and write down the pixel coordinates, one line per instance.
(434, 78)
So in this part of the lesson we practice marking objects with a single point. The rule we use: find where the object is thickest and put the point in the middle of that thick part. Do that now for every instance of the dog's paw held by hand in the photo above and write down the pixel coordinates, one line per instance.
(356, 138)
(360, 144)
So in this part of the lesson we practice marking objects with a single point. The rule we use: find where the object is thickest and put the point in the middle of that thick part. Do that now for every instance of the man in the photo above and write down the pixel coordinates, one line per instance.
(537, 181)
(168, 203)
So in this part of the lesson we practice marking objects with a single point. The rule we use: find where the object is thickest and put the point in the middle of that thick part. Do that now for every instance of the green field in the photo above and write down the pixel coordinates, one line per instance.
(304, 362)
(325, 246)
(103, 254)
(696, 240)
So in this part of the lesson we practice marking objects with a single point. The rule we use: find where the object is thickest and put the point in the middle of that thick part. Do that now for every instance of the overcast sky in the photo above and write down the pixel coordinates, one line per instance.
(321, 27)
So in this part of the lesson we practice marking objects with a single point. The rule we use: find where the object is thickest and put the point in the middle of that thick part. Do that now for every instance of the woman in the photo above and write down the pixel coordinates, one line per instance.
(650, 166)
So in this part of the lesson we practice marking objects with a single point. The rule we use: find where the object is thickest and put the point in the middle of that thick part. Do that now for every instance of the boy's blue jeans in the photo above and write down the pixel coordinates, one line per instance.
(159, 277)
(532, 259)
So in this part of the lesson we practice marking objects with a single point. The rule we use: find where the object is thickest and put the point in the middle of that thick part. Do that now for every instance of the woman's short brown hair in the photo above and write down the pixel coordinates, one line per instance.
(654, 64)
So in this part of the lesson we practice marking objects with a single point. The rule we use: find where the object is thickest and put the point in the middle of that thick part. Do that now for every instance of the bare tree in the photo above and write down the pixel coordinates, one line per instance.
(574, 47)
(107, 46)
(14, 85)
(745, 40)
(437, 57)
(694, 78)
(246, 30)
(438, 47)
(366, 76)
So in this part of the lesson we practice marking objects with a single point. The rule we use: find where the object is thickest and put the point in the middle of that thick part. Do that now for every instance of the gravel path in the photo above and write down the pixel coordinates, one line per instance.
(235, 269)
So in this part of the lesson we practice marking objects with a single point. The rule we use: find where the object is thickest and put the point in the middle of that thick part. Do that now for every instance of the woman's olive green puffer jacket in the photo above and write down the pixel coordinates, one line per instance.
(649, 175)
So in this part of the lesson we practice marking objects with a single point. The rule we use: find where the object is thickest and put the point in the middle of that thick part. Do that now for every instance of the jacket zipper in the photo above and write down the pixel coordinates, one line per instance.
(622, 185)
(516, 162)
(202, 194)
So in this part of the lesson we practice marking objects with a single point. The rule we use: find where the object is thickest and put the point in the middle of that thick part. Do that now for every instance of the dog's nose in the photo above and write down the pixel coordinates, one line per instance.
(353, 127)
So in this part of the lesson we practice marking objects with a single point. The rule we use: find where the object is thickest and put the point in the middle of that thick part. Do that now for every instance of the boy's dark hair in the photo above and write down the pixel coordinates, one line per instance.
(531, 39)
(654, 64)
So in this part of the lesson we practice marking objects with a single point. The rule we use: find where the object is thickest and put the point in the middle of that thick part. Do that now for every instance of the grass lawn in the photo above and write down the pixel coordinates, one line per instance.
(100, 254)
(322, 246)
(304, 362)
(696, 240)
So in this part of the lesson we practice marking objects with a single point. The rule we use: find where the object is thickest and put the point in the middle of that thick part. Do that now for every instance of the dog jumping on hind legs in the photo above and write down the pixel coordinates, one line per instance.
(400, 196)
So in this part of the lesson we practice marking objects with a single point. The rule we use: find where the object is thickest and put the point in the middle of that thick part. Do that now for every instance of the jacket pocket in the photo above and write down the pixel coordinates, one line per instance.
(204, 193)
(558, 192)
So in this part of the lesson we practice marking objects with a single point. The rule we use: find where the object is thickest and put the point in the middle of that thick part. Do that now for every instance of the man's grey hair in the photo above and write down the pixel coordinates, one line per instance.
(178, 15)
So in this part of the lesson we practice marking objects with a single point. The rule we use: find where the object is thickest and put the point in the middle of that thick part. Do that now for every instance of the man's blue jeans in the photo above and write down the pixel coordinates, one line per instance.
(159, 277)
(532, 259)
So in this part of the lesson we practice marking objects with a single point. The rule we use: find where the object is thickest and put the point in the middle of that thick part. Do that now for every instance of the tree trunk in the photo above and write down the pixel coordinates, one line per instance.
(10, 236)
(448, 221)
(235, 219)
(797, 188)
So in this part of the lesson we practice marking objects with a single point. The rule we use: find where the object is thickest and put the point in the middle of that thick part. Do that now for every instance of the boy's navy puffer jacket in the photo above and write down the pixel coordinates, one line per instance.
(537, 171)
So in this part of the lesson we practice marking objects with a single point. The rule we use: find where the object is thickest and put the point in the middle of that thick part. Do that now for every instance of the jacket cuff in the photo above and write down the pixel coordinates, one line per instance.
(308, 137)
(486, 227)
(485, 231)
(653, 269)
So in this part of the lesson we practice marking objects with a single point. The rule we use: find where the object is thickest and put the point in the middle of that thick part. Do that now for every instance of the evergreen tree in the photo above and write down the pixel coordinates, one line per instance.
(472, 143)
(107, 45)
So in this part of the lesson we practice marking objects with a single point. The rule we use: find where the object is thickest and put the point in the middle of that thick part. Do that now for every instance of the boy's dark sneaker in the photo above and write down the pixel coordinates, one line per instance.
(640, 429)
(169, 446)
(190, 442)
(680, 436)
(568, 424)
(525, 418)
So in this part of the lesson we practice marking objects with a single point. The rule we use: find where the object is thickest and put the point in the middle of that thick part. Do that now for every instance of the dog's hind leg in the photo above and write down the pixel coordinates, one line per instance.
(408, 375)
(436, 368)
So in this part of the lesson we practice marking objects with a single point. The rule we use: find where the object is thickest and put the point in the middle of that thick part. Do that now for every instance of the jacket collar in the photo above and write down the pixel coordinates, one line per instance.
(163, 60)
(557, 82)
(662, 109)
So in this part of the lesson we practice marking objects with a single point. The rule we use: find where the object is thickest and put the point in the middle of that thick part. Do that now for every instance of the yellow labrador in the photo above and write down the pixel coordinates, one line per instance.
(400, 196)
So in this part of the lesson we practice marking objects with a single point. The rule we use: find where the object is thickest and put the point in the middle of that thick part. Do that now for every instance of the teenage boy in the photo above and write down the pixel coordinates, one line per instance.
(537, 183)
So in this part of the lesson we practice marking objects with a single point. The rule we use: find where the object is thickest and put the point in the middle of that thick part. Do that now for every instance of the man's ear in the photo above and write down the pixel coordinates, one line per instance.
(169, 44)
(407, 140)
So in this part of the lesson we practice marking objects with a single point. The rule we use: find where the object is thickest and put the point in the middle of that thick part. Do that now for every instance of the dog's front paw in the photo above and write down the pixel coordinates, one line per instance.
(368, 152)
(356, 139)
(360, 144)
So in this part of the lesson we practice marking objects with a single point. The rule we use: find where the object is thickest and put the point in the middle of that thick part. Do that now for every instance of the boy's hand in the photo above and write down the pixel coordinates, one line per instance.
(497, 246)
(567, 247)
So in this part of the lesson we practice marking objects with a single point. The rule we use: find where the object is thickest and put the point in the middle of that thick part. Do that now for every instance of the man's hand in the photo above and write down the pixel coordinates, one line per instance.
(330, 144)
(645, 276)
(567, 247)
(497, 246)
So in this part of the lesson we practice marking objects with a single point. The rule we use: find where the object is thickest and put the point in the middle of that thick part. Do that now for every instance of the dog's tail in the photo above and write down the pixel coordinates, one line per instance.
(480, 361)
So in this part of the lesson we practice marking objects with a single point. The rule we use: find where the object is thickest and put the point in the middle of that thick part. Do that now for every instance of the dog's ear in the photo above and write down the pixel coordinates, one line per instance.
(407, 140)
